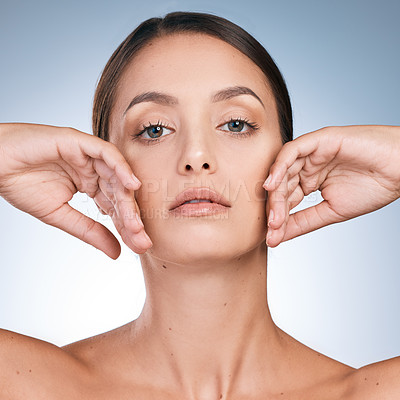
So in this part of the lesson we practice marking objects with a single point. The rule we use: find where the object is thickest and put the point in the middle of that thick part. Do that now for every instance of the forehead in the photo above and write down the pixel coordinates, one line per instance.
(189, 66)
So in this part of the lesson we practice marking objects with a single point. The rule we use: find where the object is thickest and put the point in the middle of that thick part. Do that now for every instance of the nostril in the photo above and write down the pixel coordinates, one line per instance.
(205, 166)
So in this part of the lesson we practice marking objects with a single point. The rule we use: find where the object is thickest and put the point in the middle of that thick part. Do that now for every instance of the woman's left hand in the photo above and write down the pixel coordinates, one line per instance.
(356, 168)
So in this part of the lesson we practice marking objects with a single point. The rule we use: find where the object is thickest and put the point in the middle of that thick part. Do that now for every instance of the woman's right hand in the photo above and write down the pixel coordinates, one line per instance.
(42, 167)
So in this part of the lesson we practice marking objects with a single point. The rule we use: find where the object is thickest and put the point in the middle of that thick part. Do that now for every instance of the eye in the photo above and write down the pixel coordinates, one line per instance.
(237, 126)
(154, 131)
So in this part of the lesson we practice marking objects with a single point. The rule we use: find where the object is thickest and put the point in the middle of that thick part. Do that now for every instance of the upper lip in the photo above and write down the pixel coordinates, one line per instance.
(199, 194)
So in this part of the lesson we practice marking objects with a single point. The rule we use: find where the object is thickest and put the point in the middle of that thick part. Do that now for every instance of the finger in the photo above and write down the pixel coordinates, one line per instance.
(102, 211)
(113, 191)
(311, 219)
(289, 200)
(275, 236)
(108, 189)
(84, 171)
(103, 170)
(292, 176)
(110, 185)
(296, 167)
(296, 197)
(115, 160)
(114, 196)
(126, 217)
(139, 242)
(132, 230)
(128, 212)
(80, 146)
(107, 180)
(298, 148)
(277, 204)
(103, 203)
(84, 228)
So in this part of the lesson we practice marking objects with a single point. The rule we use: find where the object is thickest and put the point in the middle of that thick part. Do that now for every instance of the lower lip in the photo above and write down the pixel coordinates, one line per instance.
(199, 209)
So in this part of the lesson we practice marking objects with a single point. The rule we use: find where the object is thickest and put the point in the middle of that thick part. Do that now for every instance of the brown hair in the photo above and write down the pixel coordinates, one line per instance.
(180, 22)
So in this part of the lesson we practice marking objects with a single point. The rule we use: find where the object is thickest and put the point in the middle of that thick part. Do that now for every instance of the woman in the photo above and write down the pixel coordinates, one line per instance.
(198, 111)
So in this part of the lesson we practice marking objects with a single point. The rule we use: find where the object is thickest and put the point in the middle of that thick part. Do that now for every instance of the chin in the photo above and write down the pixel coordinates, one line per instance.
(205, 246)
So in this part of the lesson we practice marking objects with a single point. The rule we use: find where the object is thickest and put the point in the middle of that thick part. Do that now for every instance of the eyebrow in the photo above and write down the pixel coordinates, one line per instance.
(168, 100)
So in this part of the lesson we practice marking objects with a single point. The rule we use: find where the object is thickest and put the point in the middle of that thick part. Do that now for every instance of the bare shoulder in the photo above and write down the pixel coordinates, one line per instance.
(91, 351)
(330, 379)
(380, 380)
(31, 367)
(315, 376)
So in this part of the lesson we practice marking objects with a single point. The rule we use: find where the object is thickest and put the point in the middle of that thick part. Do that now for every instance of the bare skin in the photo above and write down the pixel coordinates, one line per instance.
(205, 331)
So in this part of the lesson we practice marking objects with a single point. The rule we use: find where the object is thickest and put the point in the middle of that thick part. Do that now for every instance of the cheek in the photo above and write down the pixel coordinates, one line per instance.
(249, 174)
(155, 193)
(251, 171)
(250, 198)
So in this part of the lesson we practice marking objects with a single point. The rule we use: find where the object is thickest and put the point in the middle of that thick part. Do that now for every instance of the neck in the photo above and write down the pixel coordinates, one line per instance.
(208, 323)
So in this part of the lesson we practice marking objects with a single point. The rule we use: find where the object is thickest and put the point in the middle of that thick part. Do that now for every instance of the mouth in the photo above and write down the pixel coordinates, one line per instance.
(197, 198)
(197, 201)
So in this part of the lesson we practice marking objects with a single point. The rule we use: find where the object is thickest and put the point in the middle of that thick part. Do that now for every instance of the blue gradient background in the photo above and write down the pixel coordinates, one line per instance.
(335, 290)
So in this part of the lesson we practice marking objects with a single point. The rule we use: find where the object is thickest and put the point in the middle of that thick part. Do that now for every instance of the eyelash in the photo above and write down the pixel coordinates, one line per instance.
(253, 128)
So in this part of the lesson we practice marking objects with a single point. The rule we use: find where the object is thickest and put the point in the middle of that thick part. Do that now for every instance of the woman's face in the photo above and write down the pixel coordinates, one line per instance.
(212, 123)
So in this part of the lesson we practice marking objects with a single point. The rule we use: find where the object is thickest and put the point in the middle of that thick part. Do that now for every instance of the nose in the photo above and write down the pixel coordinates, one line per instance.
(198, 153)
(189, 167)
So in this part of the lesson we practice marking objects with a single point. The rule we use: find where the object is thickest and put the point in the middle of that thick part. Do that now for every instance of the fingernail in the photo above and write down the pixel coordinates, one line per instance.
(268, 181)
(136, 180)
(269, 234)
(140, 222)
(148, 239)
(271, 217)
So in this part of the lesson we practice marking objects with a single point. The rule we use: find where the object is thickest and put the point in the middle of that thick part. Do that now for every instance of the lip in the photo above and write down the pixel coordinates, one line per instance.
(218, 202)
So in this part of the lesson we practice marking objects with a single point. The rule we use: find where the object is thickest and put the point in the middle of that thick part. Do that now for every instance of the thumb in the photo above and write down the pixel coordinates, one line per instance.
(310, 219)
